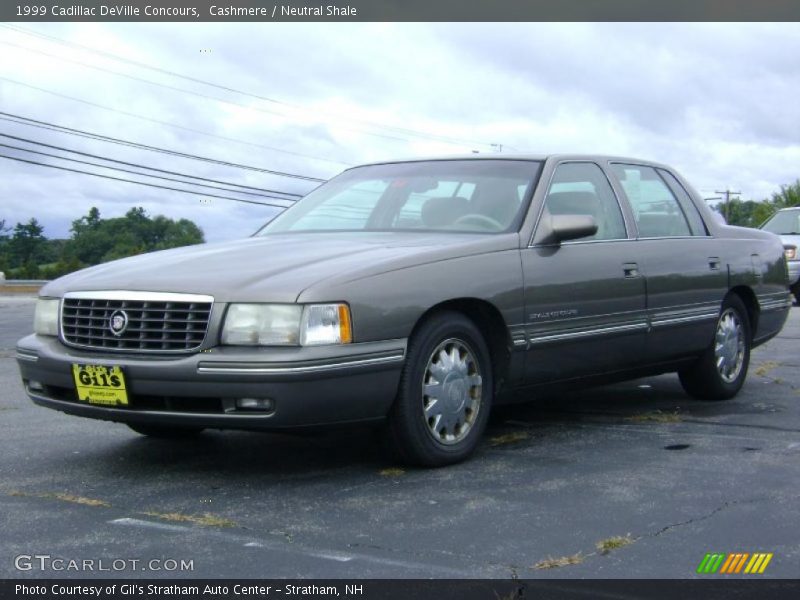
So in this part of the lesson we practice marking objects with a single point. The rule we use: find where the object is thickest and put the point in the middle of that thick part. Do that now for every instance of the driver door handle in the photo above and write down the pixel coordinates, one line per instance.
(631, 270)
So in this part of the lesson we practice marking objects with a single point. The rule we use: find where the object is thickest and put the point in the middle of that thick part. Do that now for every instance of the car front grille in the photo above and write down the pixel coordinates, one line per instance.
(145, 322)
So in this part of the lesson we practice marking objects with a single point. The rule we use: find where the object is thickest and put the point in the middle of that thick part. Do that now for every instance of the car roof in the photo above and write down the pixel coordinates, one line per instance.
(531, 157)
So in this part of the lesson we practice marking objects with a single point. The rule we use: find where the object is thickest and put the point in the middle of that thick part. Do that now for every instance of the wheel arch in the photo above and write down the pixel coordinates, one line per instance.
(748, 298)
(489, 320)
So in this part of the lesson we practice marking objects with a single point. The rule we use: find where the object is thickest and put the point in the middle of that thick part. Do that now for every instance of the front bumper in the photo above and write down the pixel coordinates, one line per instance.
(309, 386)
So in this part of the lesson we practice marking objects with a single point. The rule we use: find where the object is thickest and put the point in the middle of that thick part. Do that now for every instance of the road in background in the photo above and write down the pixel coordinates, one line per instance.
(636, 465)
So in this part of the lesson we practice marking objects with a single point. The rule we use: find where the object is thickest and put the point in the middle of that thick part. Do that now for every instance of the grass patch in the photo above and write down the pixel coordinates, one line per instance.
(656, 417)
(81, 500)
(392, 472)
(509, 438)
(206, 520)
(613, 543)
(564, 561)
(765, 368)
(64, 498)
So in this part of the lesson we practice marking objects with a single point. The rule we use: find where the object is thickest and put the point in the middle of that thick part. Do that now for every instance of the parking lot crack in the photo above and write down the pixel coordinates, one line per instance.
(604, 547)
(742, 425)
(717, 510)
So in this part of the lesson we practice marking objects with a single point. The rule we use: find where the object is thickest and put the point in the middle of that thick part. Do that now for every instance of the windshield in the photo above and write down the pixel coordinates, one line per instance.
(485, 196)
(784, 223)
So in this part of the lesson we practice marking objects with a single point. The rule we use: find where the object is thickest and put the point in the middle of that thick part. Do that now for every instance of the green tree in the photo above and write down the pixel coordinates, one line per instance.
(788, 196)
(740, 212)
(27, 248)
(95, 240)
(5, 263)
(749, 213)
(173, 234)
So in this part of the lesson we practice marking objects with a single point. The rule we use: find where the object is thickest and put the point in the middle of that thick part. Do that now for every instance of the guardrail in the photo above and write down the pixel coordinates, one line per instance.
(21, 286)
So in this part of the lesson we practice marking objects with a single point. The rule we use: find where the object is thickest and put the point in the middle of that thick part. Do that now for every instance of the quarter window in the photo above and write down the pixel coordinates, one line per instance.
(582, 189)
(689, 208)
(657, 211)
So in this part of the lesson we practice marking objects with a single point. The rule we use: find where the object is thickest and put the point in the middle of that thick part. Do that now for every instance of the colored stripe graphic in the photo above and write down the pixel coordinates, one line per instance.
(728, 562)
(710, 563)
(758, 563)
(734, 563)
(741, 562)
(764, 564)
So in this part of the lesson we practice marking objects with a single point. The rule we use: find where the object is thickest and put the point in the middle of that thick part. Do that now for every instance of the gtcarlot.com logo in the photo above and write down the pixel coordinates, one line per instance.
(734, 563)
(46, 562)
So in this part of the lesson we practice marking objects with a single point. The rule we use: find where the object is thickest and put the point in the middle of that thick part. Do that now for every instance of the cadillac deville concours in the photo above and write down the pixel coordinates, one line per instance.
(415, 295)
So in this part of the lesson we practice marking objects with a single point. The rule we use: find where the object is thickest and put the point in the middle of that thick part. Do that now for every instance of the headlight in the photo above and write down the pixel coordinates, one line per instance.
(262, 325)
(791, 252)
(287, 325)
(326, 324)
(45, 318)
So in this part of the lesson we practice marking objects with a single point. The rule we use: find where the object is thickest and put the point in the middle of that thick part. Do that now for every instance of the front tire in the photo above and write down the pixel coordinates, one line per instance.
(445, 393)
(720, 373)
(164, 431)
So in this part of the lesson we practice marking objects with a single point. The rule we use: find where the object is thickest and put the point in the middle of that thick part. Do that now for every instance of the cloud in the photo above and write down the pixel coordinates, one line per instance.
(717, 101)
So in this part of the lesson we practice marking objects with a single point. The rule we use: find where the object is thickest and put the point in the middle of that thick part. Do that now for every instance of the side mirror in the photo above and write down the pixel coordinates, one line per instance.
(571, 227)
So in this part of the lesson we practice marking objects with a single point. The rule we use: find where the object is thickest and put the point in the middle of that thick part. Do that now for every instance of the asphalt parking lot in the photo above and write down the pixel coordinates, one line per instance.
(630, 480)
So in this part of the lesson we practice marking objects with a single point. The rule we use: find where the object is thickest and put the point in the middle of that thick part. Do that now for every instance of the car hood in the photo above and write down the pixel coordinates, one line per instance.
(274, 268)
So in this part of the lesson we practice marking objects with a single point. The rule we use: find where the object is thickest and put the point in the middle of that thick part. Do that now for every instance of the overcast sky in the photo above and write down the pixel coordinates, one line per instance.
(716, 101)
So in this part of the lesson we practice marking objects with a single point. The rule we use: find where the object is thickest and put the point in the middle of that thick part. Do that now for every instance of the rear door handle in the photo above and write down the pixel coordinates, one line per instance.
(631, 270)
(714, 263)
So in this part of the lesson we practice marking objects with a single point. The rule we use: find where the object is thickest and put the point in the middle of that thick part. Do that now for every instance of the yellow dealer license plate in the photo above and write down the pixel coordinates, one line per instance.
(97, 384)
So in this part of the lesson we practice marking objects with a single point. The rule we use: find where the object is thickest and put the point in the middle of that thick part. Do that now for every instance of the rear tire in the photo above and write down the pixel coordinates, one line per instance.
(720, 372)
(164, 431)
(445, 393)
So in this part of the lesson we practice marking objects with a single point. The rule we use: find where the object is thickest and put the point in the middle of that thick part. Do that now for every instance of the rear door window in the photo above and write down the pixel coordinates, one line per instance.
(656, 209)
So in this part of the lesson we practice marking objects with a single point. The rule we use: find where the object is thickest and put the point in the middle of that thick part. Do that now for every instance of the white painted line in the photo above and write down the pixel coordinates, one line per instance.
(148, 524)
(276, 546)
(331, 556)
(338, 557)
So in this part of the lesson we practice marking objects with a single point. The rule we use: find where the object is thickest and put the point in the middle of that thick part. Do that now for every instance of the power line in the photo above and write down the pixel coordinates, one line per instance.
(226, 88)
(139, 166)
(104, 138)
(182, 90)
(118, 169)
(167, 123)
(153, 185)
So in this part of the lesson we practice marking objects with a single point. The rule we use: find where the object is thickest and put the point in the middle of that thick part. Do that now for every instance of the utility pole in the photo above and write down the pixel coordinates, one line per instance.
(728, 193)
